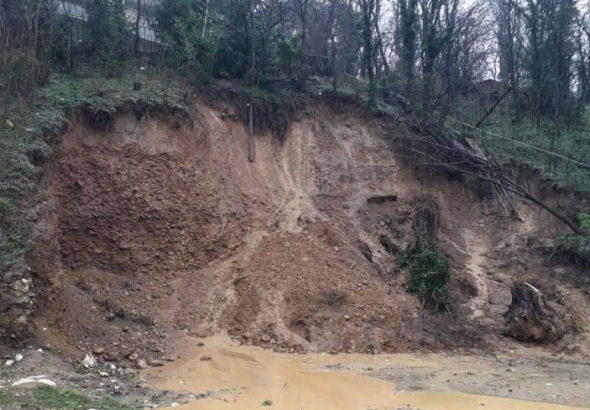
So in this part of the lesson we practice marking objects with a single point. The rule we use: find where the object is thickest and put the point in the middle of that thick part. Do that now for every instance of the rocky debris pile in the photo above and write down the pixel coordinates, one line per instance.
(33, 367)
(530, 317)
(16, 304)
(120, 354)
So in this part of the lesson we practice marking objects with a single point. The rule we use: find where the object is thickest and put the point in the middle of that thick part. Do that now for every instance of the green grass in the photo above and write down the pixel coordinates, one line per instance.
(4, 398)
(51, 398)
(98, 93)
(51, 349)
(267, 403)
(571, 141)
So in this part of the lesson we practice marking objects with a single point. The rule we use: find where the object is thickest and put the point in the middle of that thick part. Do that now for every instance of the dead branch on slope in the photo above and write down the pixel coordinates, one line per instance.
(433, 147)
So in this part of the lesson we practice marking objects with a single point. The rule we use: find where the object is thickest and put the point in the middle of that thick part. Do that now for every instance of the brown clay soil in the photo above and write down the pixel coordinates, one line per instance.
(151, 231)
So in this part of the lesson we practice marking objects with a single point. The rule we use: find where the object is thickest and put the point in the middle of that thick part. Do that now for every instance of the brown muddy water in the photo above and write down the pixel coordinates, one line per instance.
(245, 378)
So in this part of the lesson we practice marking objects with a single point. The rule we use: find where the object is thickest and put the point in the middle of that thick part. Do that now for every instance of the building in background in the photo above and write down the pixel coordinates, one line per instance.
(75, 11)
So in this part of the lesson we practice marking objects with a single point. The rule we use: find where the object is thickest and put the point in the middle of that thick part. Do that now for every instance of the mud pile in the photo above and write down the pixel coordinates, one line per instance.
(152, 230)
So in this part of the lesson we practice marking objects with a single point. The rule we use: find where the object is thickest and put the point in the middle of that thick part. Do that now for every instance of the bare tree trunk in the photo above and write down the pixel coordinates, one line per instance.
(252, 154)
(302, 11)
(492, 108)
(380, 38)
(367, 9)
(6, 78)
(334, 19)
(553, 212)
(407, 29)
(333, 64)
(137, 37)
(251, 34)
(205, 22)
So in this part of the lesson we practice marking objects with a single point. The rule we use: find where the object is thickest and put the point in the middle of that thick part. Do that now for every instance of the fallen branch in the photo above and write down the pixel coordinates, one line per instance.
(467, 158)
(493, 108)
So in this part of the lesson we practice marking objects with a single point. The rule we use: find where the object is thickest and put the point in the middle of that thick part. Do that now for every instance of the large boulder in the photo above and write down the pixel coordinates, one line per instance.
(530, 318)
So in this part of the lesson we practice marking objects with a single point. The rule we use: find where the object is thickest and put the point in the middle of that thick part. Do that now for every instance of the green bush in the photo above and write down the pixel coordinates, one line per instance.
(429, 277)
(579, 245)
(4, 208)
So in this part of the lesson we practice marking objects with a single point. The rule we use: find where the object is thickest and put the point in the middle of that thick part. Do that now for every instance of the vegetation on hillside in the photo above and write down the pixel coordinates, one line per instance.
(432, 56)
(429, 277)
(577, 244)
(52, 398)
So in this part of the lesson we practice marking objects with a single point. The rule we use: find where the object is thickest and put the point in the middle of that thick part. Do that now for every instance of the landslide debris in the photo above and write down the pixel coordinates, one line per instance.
(149, 231)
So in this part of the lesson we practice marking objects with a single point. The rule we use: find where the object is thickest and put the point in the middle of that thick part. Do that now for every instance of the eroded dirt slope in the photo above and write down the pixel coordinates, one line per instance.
(151, 230)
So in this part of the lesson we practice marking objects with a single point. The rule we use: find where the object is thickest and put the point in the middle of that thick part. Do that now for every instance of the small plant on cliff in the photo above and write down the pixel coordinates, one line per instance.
(4, 208)
(429, 277)
(578, 245)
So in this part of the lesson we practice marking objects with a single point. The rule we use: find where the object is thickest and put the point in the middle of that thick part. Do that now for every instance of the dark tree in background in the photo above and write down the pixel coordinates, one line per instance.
(407, 33)
(512, 74)
(433, 53)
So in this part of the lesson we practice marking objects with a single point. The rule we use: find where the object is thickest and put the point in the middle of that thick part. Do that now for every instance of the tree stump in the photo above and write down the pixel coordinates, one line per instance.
(530, 318)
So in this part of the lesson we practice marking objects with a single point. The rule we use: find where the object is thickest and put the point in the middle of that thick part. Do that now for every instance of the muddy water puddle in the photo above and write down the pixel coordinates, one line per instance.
(244, 378)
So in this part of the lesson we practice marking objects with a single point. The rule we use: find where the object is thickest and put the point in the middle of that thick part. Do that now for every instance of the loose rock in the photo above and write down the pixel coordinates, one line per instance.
(141, 364)
(155, 363)
(89, 361)
(112, 356)
(128, 352)
(98, 350)
(35, 380)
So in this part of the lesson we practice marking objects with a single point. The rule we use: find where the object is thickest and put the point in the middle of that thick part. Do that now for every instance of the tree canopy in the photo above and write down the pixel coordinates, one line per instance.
(436, 55)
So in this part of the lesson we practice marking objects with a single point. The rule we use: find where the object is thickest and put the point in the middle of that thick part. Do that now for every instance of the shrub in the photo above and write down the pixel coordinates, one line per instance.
(4, 208)
(579, 245)
(429, 277)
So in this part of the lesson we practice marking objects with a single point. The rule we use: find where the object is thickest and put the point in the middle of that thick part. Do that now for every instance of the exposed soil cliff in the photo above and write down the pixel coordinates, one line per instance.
(154, 229)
